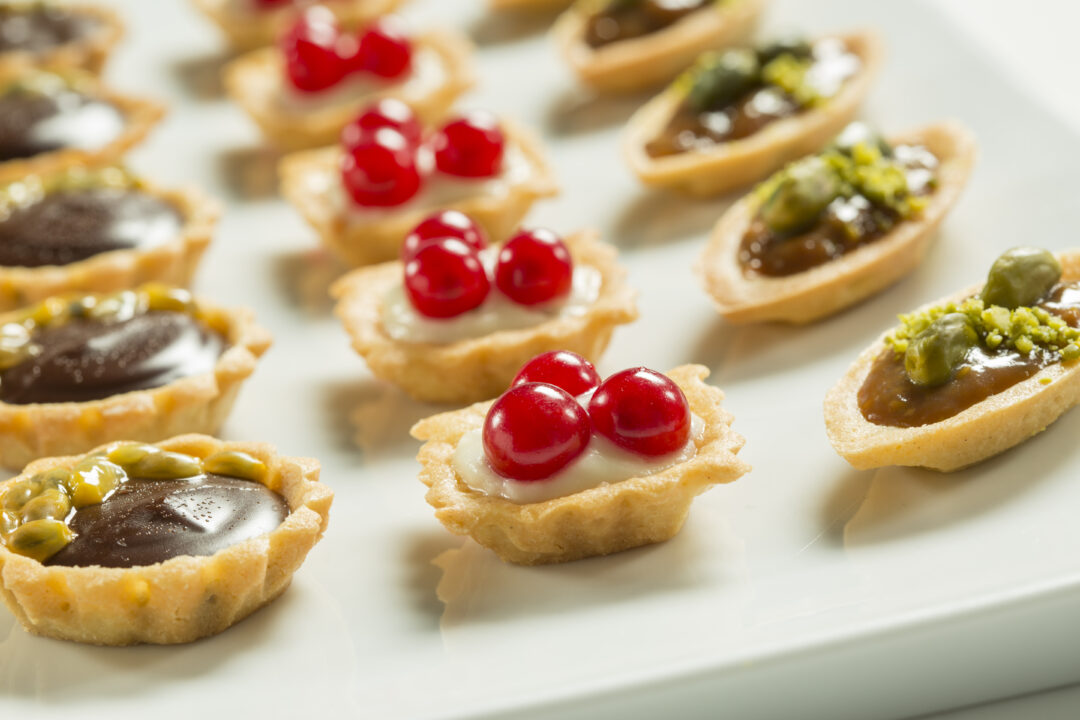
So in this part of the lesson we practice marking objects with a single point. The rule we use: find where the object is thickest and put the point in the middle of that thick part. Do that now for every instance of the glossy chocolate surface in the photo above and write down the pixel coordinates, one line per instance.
(33, 123)
(150, 521)
(84, 360)
(66, 226)
(38, 29)
(628, 19)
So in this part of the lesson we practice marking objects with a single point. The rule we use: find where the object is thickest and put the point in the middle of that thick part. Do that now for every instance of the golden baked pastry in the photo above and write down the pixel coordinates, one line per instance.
(743, 295)
(480, 367)
(121, 601)
(732, 164)
(60, 37)
(596, 521)
(978, 393)
(172, 259)
(91, 394)
(649, 60)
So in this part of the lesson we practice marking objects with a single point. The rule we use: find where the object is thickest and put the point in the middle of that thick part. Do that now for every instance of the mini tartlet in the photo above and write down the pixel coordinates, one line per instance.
(530, 5)
(294, 120)
(185, 597)
(643, 62)
(742, 295)
(312, 182)
(129, 119)
(966, 429)
(172, 260)
(476, 368)
(247, 27)
(58, 409)
(736, 163)
(61, 36)
(600, 520)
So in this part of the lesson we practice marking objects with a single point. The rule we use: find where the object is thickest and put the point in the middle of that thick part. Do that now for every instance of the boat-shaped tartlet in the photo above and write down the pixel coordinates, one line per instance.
(474, 353)
(595, 494)
(530, 5)
(620, 46)
(48, 34)
(969, 376)
(737, 116)
(97, 230)
(160, 544)
(835, 228)
(51, 121)
(80, 370)
(497, 196)
(438, 70)
(249, 24)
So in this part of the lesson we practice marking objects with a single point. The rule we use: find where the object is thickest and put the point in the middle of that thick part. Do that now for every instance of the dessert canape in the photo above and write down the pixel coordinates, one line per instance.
(303, 92)
(97, 230)
(969, 376)
(80, 370)
(249, 24)
(563, 466)
(364, 196)
(51, 121)
(57, 36)
(163, 543)
(627, 45)
(455, 320)
(831, 229)
(738, 115)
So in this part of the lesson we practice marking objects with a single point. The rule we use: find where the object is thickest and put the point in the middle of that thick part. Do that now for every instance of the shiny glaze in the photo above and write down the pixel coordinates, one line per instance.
(38, 29)
(622, 20)
(33, 123)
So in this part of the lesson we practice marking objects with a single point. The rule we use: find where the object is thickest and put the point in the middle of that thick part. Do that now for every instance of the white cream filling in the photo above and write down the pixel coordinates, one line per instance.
(602, 463)
(402, 322)
(833, 65)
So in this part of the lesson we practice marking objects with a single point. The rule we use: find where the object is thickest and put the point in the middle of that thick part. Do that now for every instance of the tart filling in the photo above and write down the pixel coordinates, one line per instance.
(41, 28)
(733, 95)
(619, 20)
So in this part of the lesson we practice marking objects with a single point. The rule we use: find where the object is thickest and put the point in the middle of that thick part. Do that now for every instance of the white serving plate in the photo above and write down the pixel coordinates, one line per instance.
(806, 589)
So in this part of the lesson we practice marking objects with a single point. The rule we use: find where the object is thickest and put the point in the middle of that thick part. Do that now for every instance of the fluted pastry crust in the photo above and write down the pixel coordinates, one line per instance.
(87, 53)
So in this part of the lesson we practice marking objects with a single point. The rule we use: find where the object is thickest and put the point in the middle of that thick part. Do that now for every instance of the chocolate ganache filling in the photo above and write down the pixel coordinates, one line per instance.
(39, 28)
(32, 123)
(66, 226)
(88, 359)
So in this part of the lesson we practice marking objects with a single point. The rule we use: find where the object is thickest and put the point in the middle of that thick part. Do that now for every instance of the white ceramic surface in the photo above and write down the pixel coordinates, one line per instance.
(805, 589)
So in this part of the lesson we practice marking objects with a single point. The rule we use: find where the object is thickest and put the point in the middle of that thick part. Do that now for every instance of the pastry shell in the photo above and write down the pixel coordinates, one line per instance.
(738, 163)
(172, 263)
(743, 297)
(983, 430)
(650, 60)
(253, 28)
(311, 181)
(255, 82)
(184, 598)
(86, 53)
(530, 5)
(599, 521)
(198, 403)
(478, 368)
(140, 116)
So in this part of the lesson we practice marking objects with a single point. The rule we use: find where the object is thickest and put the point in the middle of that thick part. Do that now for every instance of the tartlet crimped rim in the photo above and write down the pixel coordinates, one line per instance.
(820, 291)
(166, 603)
(89, 54)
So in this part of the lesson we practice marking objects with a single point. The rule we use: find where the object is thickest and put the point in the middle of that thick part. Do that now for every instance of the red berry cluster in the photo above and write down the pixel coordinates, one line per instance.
(319, 54)
(444, 276)
(380, 165)
(538, 426)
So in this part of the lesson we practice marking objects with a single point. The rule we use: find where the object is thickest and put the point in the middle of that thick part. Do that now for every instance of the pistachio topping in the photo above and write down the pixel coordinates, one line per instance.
(1020, 277)
(35, 511)
(32, 188)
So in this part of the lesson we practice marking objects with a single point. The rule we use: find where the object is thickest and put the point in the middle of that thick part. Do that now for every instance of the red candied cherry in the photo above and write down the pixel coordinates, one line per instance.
(445, 278)
(444, 224)
(561, 368)
(533, 431)
(383, 50)
(471, 146)
(310, 47)
(642, 411)
(534, 267)
(381, 170)
(387, 113)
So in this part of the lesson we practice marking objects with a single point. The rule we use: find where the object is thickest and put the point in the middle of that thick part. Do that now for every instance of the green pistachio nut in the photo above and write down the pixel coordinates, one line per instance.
(1021, 277)
(859, 133)
(934, 354)
(795, 46)
(94, 479)
(796, 205)
(54, 504)
(163, 297)
(19, 493)
(235, 464)
(720, 80)
(153, 463)
(40, 539)
(8, 522)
